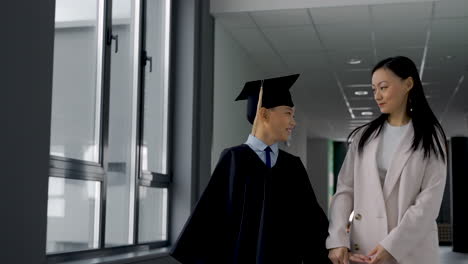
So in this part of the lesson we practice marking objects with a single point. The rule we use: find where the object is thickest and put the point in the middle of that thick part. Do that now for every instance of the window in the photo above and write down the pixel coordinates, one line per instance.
(109, 175)
(73, 215)
(154, 155)
(154, 179)
(76, 107)
(122, 134)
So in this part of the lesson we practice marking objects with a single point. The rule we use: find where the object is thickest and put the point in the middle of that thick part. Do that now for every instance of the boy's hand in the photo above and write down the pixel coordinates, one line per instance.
(339, 255)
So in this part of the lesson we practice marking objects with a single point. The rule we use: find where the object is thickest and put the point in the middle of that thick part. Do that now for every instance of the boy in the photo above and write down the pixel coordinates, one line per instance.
(259, 206)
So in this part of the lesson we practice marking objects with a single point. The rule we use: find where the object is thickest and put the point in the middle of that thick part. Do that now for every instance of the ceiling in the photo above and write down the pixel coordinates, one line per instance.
(319, 42)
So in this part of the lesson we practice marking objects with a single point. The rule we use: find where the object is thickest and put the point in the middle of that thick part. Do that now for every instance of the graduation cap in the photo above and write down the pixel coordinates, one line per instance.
(275, 93)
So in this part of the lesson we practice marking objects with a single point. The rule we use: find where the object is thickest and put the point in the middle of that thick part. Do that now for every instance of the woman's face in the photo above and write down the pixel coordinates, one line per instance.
(390, 91)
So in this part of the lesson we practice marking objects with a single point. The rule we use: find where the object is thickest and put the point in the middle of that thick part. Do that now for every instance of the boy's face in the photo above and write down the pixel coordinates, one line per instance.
(280, 122)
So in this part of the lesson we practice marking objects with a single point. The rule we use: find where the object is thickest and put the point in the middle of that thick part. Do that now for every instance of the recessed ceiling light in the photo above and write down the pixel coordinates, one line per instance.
(361, 108)
(361, 93)
(449, 57)
(354, 61)
(367, 113)
(359, 85)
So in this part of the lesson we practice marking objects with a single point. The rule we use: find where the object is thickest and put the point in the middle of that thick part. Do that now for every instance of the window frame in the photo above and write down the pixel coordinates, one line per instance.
(147, 178)
(70, 168)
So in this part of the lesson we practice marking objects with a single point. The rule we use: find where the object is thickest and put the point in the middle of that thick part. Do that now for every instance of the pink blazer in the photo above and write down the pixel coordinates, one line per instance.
(401, 216)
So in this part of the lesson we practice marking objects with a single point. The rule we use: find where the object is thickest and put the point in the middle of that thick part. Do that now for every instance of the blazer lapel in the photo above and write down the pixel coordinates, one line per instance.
(371, 156)
(400, 157)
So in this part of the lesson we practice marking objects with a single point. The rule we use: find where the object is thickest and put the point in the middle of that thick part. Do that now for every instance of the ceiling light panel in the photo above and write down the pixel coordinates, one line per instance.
(340, 59)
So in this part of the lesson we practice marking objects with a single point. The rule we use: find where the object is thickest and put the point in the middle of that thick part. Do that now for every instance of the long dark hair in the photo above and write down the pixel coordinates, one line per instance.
(427, 129)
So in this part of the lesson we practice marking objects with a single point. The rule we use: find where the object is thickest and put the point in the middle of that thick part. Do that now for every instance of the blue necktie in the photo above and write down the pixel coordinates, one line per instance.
(262, 239)
(267, 157)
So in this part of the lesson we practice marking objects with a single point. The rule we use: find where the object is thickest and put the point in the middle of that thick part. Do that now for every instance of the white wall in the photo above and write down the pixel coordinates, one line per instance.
(317, 161)
(232, 68)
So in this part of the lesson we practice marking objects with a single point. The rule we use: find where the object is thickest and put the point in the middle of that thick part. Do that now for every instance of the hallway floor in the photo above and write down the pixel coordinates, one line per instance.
(450, 257)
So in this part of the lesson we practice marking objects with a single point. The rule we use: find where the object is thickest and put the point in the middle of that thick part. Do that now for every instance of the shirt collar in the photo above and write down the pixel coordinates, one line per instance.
(260, 145)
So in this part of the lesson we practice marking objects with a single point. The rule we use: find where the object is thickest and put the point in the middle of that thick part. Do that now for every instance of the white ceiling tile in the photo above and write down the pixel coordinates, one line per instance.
(235, 20)
(346, 36)
(322, 76)
(269, 62)
(251, 40)
(415, 54)
(443, 82)
(454, 31)
(306, 61)
(401, 12)
(453, 57)
(362, 102)
(316, 88)
(339, 15)
(401, 33)
(293, 39)
(451, 8)
(459, 103)
(280, 18)
(354, 77)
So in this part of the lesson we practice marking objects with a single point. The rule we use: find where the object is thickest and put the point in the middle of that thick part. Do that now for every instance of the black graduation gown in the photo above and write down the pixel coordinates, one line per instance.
(250, 213)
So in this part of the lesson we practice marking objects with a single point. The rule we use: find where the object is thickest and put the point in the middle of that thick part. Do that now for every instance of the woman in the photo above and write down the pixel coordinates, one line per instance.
(393, 177)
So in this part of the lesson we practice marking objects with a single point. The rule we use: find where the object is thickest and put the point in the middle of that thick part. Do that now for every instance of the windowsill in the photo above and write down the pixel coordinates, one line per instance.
(125, 258)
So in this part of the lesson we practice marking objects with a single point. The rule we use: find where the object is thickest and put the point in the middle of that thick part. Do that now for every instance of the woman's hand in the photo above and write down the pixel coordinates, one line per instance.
(378, 255)
(339, 255)
(359, 258)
